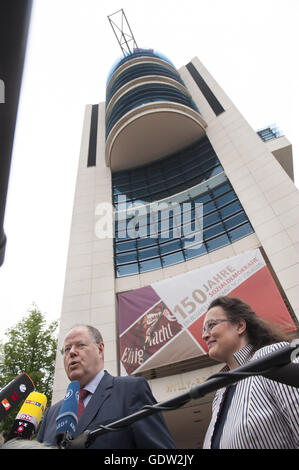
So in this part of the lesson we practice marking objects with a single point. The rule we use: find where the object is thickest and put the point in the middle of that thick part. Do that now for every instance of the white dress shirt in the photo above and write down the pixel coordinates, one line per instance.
(92, 386)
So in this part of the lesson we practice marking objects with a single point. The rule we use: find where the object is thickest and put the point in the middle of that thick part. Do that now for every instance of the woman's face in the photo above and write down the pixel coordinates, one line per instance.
(223, 337)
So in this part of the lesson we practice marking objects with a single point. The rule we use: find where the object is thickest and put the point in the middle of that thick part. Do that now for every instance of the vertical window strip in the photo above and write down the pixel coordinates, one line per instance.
(204, 88)
(92, 148)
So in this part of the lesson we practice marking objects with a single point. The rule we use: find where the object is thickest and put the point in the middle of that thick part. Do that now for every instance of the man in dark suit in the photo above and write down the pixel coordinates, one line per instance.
(108, 399)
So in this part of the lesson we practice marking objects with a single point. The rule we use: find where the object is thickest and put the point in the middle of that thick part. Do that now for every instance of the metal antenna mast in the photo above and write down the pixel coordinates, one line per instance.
(123, 32)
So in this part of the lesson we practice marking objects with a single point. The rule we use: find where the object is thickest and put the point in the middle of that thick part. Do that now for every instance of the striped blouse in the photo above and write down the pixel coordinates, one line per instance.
(263, 414)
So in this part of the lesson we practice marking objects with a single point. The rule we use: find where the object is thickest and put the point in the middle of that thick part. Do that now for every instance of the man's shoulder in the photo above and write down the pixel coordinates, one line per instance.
(54, 407)
(129, 380)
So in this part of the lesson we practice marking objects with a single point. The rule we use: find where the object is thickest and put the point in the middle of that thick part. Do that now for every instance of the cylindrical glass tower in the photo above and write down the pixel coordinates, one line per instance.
(149, 112)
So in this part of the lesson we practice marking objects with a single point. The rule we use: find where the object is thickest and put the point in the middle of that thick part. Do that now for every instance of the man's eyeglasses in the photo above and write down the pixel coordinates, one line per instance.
(210, 324)
(78, 347)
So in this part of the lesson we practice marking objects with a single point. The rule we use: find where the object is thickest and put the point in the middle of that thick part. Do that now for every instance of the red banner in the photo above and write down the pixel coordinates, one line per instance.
(161, 324)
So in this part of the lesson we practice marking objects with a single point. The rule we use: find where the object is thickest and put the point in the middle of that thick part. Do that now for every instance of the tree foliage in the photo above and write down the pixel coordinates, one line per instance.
(30, 347)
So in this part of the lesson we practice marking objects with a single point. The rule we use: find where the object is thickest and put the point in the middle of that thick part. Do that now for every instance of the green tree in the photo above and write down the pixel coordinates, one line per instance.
(31, 348)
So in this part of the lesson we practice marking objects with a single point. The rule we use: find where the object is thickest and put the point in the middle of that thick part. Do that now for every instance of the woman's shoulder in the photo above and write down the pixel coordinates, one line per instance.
(265, 350)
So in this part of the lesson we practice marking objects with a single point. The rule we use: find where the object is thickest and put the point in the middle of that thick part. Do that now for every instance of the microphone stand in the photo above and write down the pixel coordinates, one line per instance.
(263, 366)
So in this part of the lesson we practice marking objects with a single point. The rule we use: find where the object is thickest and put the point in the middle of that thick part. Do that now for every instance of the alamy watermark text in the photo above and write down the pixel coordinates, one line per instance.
(164, 219)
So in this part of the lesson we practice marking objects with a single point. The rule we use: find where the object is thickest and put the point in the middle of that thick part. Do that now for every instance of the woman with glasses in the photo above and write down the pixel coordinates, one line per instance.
(255, 413)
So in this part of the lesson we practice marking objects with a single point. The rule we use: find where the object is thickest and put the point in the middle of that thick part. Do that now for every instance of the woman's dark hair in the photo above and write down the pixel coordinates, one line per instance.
(259, 332)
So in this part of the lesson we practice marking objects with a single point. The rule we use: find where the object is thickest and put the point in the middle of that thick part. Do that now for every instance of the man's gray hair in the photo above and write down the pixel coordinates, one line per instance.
(94, 333)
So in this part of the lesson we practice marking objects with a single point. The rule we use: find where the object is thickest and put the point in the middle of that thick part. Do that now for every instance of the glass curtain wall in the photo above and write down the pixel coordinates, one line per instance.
(178, 208)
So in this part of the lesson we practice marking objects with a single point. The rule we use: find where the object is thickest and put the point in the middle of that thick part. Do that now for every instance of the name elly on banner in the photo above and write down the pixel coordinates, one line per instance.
(161, 324)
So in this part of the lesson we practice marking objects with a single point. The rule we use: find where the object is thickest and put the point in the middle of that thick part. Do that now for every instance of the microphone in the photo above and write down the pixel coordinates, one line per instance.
(14, 393)
(67, 420)
(29, 416)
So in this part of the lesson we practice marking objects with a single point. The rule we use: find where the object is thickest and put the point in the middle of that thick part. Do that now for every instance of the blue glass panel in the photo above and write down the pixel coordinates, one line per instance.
(117, 190)
(120, 204)
(217, 242)
(162, 195)
(191, 236)
(158, 186)
(196, 250)
(127, 270)
(231, 209)
(213, 231)
(145, 242)
(211, 219)
(174, 258)
(125, 246)
(221, 189)
(156, 176)
(175, 179)
(138, 220)
(215, 171)
(150, 265)
(171, 246)
(137, 175)
(122, 258)
(169, 236)
(209, 207)
(187, 230)
(225, 199)
(172, 223)
(139, 186)
(140, 193)
(204, 198)
(148, 253)
(141, 202)
(172, 172)
(240, 232)
(236, 220)
(121, 235)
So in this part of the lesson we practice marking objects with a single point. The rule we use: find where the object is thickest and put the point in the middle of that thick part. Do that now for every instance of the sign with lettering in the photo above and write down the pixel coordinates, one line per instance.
(162, 323)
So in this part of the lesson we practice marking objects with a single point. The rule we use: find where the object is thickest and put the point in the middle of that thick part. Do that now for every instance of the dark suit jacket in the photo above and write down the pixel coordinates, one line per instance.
(115, 398)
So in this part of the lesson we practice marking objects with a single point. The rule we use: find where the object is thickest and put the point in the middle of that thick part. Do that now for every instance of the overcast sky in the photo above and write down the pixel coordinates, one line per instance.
(250, 47)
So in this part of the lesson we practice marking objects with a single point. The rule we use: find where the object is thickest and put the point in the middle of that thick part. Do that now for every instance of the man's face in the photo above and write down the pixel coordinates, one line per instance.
(83, 358)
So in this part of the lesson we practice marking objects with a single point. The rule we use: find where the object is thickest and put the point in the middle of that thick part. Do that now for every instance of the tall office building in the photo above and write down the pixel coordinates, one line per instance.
(178, 200)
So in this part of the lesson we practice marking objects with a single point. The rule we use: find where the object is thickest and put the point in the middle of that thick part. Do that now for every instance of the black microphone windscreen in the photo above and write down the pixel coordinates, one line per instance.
(14, 393)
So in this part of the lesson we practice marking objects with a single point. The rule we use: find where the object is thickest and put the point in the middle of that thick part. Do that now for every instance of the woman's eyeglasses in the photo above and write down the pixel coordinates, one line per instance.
(210, 324)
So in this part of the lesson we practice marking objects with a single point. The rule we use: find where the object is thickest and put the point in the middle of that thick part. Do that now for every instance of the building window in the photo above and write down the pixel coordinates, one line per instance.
(146, 238)
(92, 148)
(268, 133)
(141, 70)
(205, 89)
(146, 93)
(166, 177)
